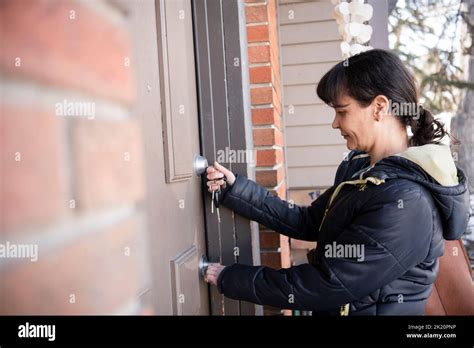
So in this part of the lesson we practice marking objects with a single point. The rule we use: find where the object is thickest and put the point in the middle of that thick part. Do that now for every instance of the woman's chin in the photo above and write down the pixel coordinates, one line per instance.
(350, 145)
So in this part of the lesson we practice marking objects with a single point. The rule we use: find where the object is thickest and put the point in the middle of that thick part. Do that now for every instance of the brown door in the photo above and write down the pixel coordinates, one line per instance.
(164, 64)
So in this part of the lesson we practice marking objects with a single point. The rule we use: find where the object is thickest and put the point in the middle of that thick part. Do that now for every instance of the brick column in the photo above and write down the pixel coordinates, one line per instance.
(264, 66)
(71, 180)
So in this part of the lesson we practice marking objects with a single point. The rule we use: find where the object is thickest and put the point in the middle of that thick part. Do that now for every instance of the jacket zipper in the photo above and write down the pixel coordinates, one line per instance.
(344, 309)
(371, 179)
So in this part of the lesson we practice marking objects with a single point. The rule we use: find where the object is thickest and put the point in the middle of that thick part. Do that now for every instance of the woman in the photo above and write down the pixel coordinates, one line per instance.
(380, 228)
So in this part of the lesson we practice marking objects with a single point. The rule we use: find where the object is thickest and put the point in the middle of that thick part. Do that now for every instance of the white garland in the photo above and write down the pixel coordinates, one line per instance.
(350, 18)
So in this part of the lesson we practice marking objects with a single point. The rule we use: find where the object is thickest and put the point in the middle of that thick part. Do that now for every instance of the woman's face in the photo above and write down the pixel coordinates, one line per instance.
(356, 123)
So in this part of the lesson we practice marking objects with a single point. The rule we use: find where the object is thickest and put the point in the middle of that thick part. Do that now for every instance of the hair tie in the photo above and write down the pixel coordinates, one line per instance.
(421, 112)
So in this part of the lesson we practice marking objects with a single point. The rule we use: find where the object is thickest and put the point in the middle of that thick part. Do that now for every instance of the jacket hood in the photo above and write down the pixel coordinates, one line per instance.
(432, 166)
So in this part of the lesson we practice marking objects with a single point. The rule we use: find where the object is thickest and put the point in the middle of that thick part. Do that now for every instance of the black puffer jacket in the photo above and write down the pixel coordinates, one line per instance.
(379, 233)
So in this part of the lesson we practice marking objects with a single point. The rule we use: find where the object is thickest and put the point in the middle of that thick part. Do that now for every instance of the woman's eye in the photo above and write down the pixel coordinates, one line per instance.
(341, 113)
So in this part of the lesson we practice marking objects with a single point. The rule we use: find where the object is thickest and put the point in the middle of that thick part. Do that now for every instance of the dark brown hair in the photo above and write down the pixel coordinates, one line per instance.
(378, 72)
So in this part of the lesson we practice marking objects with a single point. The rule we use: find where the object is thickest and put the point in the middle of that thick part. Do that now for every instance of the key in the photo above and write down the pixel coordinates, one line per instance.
(217, 206)
(212, 202)
(215, 199)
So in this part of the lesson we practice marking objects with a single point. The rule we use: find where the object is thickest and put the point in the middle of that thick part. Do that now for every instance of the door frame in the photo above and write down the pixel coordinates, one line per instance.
(220, 40)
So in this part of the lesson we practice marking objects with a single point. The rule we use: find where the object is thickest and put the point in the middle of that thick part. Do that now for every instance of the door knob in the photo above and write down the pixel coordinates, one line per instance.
(200, 164)
(203, 263)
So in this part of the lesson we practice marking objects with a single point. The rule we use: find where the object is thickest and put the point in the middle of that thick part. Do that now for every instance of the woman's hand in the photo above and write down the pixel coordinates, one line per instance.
(215, 174)
(212, 273)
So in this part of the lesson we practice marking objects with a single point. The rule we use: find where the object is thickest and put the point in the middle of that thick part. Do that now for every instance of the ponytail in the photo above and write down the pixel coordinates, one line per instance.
(426, 129)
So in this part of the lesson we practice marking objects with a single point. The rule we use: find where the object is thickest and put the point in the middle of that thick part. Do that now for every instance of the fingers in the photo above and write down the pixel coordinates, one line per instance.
(211, 273)
(217, 171)
(228, 174)
(212, 267)
(215, 182)
(213, 188)
(211, 279)
(222, 169)
(215, 175)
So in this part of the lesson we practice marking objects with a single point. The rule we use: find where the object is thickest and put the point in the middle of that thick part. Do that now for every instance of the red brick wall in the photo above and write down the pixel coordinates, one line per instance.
(73, 185)
(69, 184)
(264, 66)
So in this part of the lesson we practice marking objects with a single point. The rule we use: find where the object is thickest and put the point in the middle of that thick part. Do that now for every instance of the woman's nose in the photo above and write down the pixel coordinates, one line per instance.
(335, 124)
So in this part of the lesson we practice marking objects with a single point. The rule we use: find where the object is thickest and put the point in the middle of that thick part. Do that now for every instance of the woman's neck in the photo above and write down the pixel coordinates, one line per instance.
(388, 145)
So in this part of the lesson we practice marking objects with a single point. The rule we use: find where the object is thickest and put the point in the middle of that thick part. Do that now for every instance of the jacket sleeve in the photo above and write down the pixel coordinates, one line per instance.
(252, 201)
(392, 243)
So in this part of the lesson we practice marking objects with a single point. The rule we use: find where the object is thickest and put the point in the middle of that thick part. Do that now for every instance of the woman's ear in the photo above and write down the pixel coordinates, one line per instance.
(381, 106)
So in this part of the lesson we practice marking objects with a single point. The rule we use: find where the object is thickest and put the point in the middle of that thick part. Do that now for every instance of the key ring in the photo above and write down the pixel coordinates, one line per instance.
(224, 185)
(213, 183)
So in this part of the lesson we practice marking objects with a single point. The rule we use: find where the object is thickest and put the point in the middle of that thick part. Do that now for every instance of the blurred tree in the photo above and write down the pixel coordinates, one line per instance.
(462, 124)
(435, 38)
